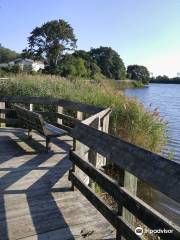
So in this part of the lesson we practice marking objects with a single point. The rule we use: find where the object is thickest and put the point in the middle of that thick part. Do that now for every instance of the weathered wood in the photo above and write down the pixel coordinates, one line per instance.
(103, 208)
(95, 122)
(136, 206)
(89, 231)
(105, 124)
(7, 110)
(83, 150)
(37, 204)
(46, 114)
(64, 127)
(80, 115)
(34, 121)
(60, 111)
(101, 115)
(130, 182)
(60, 116)
(137, 162)
(145, 165)
(77, 106)
(2, 115)
(9, 121)
(31, 107)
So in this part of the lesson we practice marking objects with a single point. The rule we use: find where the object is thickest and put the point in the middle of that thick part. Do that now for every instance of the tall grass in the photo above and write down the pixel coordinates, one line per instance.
(129, 120)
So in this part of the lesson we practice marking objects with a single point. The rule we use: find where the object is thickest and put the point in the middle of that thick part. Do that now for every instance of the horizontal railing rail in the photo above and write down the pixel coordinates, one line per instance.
(159, 172)
(94, 144)
(136, 206)
(59, 116)
(77, 106)
(107, 211)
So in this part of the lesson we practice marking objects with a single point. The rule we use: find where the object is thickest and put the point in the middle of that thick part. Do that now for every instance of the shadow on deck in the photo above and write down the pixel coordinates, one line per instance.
(35, 197)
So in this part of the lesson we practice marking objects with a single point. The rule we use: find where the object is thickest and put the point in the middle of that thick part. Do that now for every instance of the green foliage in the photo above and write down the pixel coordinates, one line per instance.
(129, 119)
(73, 66)
(139, 73)
(26, 53)
(51, 40)
(109, 61)
(82, 54)
(4, 72)
(7, 55)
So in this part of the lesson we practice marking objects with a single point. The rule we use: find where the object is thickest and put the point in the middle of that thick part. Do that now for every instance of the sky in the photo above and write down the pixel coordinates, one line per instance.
(144, 32)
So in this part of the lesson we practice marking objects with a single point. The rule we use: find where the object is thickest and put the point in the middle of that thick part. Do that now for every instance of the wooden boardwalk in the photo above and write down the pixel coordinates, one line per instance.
(35, 198)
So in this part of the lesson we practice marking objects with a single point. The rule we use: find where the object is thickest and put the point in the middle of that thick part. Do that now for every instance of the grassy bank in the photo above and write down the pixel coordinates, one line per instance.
(129, 119)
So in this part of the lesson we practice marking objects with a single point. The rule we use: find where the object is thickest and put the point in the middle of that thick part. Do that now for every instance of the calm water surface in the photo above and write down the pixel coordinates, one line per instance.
(165, 97)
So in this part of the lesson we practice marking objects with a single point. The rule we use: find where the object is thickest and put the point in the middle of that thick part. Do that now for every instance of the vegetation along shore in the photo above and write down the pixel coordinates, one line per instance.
(129, 120)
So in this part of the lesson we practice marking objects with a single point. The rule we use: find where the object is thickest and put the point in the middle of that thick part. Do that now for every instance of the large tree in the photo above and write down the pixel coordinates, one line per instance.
(109, 61)
(51, 40)
(138, 72)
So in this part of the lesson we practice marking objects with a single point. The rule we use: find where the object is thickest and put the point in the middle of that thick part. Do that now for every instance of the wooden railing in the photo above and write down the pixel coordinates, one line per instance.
(94, 148)
(59, 113)
(65, 114)
(160, 173)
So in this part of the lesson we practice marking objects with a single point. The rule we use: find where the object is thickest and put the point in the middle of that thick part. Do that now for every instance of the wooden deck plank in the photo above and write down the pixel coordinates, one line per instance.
(35, 197)
(95, 231)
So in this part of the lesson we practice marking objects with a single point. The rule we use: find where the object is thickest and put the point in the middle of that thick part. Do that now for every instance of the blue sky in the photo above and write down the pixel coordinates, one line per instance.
(145, 32)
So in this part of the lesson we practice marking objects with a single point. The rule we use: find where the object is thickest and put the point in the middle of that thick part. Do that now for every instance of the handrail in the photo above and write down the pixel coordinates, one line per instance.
(147, 166)
(159, 172)
(52, 101)
(136, 206)
(98, 115)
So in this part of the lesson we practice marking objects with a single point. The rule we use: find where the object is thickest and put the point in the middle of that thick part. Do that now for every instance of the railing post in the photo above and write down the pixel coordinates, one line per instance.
(80, 115)
(130, 182)
(77, 145)
(120, 207)
(100, 160)
(60, 110)
(71, 171)
(82, 150)
(105, 127)
(2, 115)
(31, 107)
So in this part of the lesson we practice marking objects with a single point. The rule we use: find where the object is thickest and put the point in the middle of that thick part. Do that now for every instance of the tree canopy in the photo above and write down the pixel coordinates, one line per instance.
(139, 73)
(73, 66)
(51, 40)
(7, 55)
(109, 61)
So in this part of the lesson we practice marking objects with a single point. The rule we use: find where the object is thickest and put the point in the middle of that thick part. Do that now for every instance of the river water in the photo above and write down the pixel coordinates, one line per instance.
(165, 97)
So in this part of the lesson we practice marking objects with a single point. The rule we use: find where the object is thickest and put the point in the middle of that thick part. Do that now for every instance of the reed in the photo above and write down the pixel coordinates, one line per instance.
(129, 120)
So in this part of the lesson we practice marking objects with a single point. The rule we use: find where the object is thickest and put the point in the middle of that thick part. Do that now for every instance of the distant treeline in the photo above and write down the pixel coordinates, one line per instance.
(165, 79)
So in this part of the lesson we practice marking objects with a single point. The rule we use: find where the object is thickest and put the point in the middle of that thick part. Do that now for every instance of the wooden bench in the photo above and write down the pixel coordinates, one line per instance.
(34, 121)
